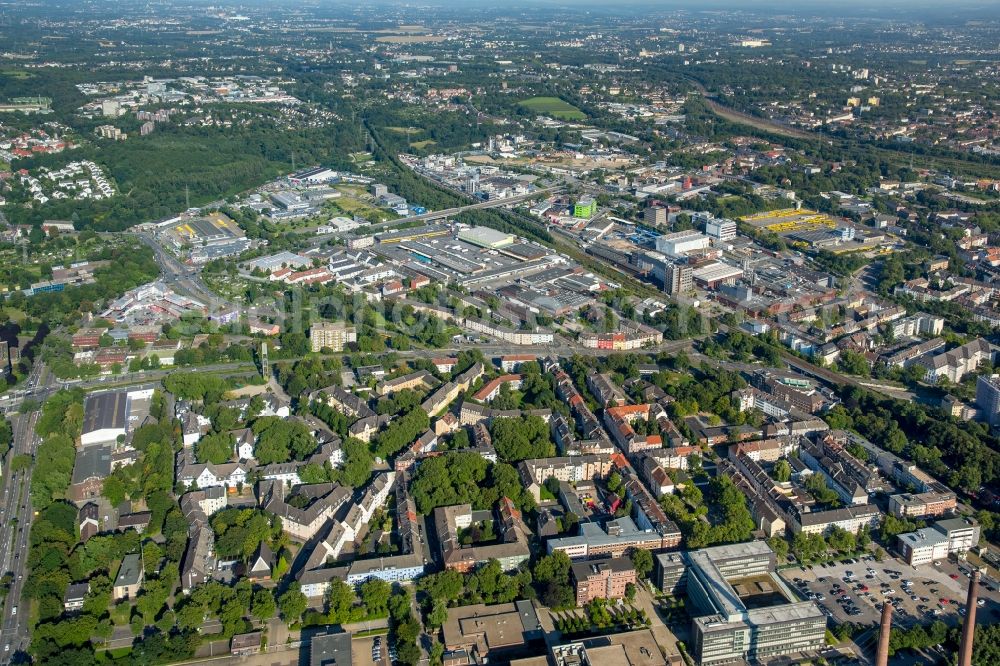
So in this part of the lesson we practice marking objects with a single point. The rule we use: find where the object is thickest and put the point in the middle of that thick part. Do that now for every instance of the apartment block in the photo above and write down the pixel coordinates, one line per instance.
(602, 579)
(331, 335)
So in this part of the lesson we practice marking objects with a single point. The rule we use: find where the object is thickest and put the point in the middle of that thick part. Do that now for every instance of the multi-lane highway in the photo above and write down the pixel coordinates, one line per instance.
(15, 526)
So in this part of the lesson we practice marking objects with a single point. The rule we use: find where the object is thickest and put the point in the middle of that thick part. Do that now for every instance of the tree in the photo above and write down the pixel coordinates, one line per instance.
(20, 462)
(292, 603)
(779, 546)
(445, 586)
(339, 600)
(438, 614)
(401, 432)
(280, 440)
(782, 471)
(642, 560)
(375, 594)
(521, 438)
(263, 606)
(551, 577)
(215, 448)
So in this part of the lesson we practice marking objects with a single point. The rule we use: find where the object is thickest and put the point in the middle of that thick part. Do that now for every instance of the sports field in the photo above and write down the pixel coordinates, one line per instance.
(553, 106)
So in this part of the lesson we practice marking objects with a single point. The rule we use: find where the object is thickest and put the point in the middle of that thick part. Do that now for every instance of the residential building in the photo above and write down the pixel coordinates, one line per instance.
(619, 422)
(350, 404)
(414, 380)
(922, 505)
(245, 645)
(570, 469)
(956, 363)
(988, 398)
(331, 335)
(492, 388)
(323, 500)
(511, 550)
(602, 579)
(129, 578)
(88, 521)
(75, 595)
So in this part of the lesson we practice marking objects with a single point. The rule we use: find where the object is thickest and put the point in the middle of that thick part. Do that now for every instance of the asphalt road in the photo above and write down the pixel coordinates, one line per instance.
(183, 279)
(15, 528)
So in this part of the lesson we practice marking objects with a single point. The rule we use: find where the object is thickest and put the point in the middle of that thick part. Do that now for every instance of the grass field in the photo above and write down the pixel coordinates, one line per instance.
(14, 314)
(553, 106)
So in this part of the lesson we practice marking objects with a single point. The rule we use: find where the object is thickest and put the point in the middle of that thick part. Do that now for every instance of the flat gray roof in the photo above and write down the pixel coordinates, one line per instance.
(729, 551)
(92, 462)
(103, 411)
(330, 650)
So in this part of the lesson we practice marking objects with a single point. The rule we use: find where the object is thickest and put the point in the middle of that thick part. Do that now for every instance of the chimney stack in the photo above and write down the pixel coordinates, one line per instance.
(969, 626)
(885, 628)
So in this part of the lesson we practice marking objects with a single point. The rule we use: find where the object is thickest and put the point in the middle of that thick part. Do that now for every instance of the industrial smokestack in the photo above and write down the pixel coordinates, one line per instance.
(969, 626)
(882, 655)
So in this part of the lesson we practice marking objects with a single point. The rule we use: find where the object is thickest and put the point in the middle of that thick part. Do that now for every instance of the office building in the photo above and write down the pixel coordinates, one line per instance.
(619, 537)
(946, 537)
(655, 215)
(720, 229)
(331, 335)
(585, 207)
(630, 648)
(670, 572)
(678, 278)
(494, 633)
(743, 611)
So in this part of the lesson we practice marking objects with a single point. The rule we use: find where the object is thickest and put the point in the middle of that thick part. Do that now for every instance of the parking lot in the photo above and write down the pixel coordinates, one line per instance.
(365, 654)
(855, 591)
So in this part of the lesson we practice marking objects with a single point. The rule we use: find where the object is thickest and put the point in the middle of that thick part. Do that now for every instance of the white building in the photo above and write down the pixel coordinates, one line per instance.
(682, 242)
(954, 535)
(720, 229)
